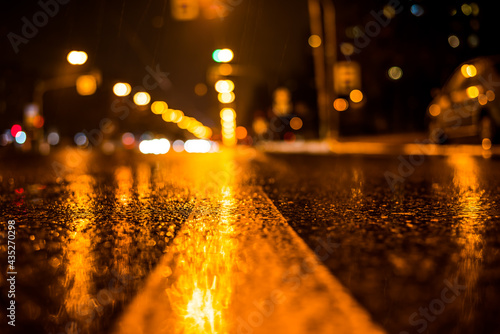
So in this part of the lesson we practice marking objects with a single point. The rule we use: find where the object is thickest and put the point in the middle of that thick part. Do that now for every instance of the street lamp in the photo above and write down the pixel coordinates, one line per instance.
(224, 86)
(86, 85)
(142, 98)
(122, 89)
(159, 107)
(77, 57)
(226, 96)
(228, 122)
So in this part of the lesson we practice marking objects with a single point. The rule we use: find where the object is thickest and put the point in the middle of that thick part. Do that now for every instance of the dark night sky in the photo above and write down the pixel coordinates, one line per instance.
(268, 37)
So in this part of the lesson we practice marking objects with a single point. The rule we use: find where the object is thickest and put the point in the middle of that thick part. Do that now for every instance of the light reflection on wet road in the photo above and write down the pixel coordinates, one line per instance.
(470, 230)
(236, 242)
(237, 267)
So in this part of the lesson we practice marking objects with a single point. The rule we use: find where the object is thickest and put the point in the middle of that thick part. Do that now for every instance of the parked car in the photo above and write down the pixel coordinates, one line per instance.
(467, 107)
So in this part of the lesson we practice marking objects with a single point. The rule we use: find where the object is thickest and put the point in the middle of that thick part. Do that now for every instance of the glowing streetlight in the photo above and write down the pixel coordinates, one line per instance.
(340, 104)
(228, 122)
(296, 123)
(122, 89)
(224, 86)
(159, 107)
(226, 97)
(228, 114)
(86, 85)
(142, 98)
(77, 57)
(395, 73)
(468, 71)
(172, 115)
(314, 41)
(356, 96)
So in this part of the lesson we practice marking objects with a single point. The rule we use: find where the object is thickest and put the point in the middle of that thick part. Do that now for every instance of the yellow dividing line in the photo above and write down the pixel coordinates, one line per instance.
(236, 266)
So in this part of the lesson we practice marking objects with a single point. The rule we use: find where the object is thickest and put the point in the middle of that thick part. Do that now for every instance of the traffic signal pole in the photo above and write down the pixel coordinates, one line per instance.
(322, 20)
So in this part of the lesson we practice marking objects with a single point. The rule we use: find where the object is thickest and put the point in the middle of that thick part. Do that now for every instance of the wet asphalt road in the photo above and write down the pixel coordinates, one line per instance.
(247, 242)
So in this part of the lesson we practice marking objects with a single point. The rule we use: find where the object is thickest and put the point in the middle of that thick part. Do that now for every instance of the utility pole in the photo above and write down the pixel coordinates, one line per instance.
(322, 20)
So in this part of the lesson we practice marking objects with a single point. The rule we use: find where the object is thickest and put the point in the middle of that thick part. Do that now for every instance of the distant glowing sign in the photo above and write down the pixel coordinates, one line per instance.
(347, 76)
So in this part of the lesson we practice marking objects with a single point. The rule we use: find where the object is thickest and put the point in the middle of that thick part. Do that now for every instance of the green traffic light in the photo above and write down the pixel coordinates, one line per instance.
(215, 55)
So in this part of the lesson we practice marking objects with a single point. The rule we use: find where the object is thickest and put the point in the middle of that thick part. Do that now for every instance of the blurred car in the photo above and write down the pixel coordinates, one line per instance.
(467, 108)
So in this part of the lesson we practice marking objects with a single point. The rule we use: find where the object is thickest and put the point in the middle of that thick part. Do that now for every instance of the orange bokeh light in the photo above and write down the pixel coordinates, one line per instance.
(340, 104)
(241, 132)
